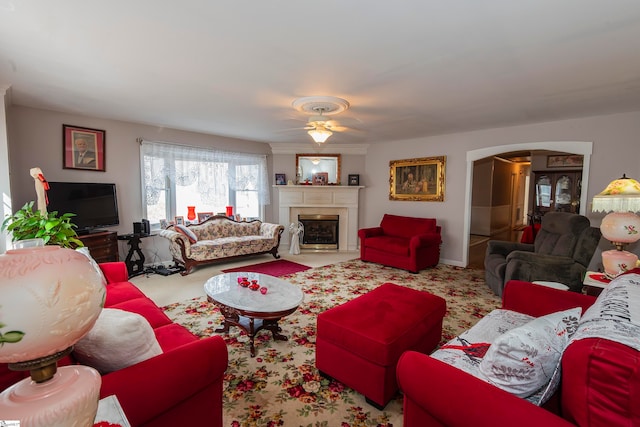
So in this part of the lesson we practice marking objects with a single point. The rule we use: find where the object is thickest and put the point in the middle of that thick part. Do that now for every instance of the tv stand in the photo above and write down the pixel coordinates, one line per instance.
(103, 245)
(87, 231)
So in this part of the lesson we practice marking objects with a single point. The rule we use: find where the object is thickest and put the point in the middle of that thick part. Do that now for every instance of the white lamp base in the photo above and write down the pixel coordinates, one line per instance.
(70, 398)
(617, 262)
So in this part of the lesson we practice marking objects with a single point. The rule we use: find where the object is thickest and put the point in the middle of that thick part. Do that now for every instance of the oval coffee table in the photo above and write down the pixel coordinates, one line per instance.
(251, 310)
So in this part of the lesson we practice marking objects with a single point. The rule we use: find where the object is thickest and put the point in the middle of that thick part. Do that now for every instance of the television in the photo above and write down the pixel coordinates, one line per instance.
(94, 204)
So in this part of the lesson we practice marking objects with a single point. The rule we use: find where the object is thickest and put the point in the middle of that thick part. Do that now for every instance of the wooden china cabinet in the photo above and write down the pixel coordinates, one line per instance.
(557, 191)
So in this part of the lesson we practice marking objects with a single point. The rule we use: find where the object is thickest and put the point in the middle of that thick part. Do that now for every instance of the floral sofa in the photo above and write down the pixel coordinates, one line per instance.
(220, 238)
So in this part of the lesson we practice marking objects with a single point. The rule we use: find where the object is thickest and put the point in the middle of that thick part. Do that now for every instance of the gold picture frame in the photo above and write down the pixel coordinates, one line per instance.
(420, 179)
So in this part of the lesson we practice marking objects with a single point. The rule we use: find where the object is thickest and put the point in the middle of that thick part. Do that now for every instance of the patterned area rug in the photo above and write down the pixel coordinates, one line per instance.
(281, 386)
(277, 268)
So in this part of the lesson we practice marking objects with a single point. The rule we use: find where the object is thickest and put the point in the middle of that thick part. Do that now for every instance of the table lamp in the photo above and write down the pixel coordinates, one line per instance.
(51, 297)
(621, 225)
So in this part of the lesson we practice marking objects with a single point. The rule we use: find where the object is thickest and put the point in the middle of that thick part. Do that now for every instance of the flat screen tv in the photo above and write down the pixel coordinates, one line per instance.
(95, 204)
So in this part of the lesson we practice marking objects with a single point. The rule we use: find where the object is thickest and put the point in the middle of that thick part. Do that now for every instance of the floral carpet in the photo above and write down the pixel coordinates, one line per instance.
(282, 387)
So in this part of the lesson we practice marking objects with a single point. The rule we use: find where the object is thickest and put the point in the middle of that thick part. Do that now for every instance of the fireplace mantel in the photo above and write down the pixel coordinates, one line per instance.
(321, 199)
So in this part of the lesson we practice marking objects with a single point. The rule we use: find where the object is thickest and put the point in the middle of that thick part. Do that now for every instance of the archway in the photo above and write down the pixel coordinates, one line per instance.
(583, 148)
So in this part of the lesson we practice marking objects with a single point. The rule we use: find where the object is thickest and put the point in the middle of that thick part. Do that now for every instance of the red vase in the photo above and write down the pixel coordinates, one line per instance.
(191, 213)
(229, 210)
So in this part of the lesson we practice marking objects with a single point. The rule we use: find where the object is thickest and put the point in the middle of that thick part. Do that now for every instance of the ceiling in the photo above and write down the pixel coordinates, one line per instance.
(408, 69)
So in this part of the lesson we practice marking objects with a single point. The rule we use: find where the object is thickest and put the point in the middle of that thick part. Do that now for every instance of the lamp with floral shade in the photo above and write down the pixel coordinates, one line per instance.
(621, 225)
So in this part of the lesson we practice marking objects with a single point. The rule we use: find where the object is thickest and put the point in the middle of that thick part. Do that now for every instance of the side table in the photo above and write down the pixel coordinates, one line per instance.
(135, 267)
(594, 283)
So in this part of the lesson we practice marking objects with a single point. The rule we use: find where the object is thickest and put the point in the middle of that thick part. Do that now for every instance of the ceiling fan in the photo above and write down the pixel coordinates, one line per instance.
(319, 126)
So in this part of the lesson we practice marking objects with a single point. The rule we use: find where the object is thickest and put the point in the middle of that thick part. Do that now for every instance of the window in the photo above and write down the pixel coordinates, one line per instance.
(177, 176)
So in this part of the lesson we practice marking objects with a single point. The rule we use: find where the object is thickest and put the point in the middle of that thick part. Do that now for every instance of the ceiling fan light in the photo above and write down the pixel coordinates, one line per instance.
(320, 135)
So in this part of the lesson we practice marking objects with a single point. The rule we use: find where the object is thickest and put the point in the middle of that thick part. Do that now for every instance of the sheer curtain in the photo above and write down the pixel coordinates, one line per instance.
(217, 174)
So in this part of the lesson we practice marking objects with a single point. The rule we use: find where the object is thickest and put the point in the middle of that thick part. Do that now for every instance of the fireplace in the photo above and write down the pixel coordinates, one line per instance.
(338, 200)
(321, 232)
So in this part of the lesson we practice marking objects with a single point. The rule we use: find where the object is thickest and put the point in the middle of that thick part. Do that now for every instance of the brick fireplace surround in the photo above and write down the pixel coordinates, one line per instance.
(324, 200)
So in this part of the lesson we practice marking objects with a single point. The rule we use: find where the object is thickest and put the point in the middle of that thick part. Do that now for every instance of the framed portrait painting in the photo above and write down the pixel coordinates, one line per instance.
(420, 179)
(83, 148)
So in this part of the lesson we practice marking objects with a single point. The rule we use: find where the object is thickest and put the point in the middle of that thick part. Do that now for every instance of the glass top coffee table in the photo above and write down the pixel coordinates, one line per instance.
(252, 310)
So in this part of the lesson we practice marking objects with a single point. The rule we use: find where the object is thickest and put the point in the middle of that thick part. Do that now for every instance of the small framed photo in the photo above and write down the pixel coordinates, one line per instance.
(203, 216)
(83, 148)
(354, 179)
(178, 220)
(163, 224)
(320, 178)
(281, 179)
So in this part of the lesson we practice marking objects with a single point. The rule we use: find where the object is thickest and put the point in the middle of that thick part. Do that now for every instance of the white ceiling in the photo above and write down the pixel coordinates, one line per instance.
(408, 68)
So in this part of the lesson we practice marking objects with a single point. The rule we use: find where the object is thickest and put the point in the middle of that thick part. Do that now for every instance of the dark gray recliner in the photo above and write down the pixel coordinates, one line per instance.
(561, 252)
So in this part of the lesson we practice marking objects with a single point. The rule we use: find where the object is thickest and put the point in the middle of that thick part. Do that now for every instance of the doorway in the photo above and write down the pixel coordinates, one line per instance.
(583, 148)
(498, 202)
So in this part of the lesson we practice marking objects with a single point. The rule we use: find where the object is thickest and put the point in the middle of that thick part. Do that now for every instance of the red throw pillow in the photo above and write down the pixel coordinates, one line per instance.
(182, 229)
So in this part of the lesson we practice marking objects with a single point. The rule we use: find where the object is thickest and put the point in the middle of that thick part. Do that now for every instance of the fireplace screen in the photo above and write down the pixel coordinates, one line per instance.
(320, 231)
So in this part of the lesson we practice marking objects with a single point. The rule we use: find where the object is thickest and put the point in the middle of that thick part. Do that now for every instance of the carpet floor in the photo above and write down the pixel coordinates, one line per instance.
(282, 387)
(277, 268)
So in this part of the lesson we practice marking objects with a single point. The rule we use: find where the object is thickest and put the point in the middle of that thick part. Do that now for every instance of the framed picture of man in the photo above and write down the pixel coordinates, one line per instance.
(417, 179)
(83, 148)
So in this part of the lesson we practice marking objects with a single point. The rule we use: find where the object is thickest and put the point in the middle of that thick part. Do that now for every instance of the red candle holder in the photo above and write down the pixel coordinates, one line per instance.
(191, 213)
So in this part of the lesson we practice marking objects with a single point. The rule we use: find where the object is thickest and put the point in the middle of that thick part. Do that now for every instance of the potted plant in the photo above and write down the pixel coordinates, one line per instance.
(27, 223)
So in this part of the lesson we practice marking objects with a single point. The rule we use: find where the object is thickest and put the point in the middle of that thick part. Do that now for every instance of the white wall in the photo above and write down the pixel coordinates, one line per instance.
(5, 189)
(615, 151)
(35, 139)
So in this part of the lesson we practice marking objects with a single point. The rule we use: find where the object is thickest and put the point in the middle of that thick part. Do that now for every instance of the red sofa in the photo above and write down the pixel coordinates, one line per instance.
(600, 383)
(403, 242)
(181, 386)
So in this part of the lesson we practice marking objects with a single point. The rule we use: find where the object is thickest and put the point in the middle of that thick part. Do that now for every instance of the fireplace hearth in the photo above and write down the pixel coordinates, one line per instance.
(321, 232)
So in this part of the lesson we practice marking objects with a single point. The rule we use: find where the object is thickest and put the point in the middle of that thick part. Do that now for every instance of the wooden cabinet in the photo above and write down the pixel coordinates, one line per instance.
(103, 246)
(557, 192)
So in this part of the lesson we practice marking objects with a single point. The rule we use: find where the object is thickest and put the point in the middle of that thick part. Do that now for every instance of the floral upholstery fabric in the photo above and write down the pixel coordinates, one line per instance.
(222, 238)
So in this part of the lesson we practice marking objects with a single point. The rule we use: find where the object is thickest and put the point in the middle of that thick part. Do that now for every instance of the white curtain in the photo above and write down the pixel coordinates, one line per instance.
(214, 171)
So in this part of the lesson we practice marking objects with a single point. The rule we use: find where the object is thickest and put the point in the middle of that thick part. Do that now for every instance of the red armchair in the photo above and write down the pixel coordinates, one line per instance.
(599, 385)
(181, 386)
(403, 242)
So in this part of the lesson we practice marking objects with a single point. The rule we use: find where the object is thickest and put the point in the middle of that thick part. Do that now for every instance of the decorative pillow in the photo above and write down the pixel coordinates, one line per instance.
(524, 359)
(118, 339)
(182, 229)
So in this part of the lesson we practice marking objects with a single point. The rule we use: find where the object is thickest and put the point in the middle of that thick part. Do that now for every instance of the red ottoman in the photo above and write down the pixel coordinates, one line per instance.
(359, 343)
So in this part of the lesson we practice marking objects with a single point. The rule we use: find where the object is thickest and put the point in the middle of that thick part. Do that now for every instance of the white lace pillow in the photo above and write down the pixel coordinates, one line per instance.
(118, 339)
(523, 360)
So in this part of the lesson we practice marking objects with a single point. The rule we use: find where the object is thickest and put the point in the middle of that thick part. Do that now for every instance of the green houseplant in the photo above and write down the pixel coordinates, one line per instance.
(53, 229)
